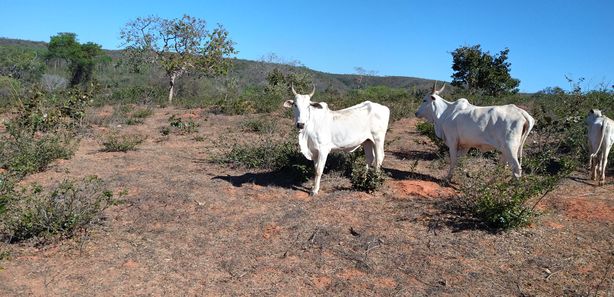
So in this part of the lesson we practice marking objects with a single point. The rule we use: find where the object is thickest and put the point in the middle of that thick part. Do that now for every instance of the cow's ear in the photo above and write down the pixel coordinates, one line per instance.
(317, 105)
(433, 97)
(288, 103)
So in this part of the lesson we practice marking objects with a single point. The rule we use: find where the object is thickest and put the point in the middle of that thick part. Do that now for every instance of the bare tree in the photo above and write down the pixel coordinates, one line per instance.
(362, 74)
(178, 46)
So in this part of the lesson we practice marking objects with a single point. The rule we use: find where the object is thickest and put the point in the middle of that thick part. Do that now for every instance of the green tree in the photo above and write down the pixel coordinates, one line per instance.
(81, 58)
(479, 71)
(21, 63)
(178, 46)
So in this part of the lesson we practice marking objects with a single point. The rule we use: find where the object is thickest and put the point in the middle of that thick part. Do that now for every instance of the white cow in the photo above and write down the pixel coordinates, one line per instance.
(462, 126)
(600, 140)
(323, 130)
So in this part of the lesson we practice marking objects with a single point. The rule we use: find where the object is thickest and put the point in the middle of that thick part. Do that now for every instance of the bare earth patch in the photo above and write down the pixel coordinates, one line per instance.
(192, 227)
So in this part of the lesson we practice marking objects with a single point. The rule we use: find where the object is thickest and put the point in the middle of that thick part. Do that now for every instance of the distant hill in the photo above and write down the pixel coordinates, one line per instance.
(248, 72)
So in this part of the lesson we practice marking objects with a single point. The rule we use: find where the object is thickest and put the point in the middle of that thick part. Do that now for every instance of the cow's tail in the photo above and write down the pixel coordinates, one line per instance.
(603, 130)
(526, 129)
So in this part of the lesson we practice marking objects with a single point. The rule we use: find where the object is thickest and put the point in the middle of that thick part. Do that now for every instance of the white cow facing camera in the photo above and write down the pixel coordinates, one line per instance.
(323, 130)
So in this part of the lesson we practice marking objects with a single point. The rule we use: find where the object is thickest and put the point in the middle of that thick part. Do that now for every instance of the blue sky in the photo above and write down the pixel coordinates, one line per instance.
(548, 40)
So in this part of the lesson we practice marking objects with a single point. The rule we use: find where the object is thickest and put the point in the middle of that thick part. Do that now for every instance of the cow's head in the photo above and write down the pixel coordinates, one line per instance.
(427, 107)
(593, 114)
(302, 107)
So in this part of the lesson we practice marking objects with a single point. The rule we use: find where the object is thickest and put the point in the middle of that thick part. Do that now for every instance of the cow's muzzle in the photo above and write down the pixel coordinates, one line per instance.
(300, 125)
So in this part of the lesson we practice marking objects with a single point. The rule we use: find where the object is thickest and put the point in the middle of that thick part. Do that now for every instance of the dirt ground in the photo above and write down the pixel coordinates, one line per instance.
(191, 227)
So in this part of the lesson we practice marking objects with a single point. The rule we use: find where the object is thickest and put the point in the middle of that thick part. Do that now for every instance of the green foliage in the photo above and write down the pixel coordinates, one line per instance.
(501, 202)
(280, 80)
(68, 208)
(20, 63)
(363, 179)
(41, 131)
(178, 46)
(114, 142)
(480, 72)
(269, 154)
(136, 93)
(427, 129)
(142, 113)
(81, 58)
(183, 127)
(259, 125)
(22, 154)
(285, 158)
(402, 102)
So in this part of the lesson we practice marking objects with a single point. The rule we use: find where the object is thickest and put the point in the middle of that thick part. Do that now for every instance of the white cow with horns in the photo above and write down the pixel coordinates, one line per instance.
(600, 141)
(323, 130)
(462, 126)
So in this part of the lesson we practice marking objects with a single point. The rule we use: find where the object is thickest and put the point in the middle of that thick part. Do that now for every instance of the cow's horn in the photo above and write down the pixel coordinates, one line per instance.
(293, 91)
(313, 91)
(443, 87)
(434, 86)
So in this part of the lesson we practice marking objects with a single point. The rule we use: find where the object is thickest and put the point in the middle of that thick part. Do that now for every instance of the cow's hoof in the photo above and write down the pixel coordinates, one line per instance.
(313, 193)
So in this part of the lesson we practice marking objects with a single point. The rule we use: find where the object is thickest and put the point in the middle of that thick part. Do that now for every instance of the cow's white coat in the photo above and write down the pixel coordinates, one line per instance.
(600, 141)
(323, 130)
(462, 126)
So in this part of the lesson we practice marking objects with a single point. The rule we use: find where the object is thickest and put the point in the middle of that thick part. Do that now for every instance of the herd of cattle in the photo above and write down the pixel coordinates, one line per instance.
(459, 124)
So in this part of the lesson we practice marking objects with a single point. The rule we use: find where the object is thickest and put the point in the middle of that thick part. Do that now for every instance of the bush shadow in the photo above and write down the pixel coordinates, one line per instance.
(455, 215)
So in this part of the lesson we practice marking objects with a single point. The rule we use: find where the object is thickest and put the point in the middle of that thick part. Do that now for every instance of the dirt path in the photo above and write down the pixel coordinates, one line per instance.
(191, 227)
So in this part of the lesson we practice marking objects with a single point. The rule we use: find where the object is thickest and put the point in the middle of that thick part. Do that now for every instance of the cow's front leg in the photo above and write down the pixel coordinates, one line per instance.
(320, 161)
(453, 161)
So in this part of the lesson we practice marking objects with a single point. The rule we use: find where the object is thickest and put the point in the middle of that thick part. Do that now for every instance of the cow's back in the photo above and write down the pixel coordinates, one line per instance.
(483, 126)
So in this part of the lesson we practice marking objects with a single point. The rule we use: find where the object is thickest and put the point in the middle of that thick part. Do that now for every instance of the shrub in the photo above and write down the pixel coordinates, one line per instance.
(262, 126)
(181, 126)
(69, 207)
(268, 154)
(26, 154)
(363, 179)
(500, 201)
(142, 113)
(165, 131)
(114, 142)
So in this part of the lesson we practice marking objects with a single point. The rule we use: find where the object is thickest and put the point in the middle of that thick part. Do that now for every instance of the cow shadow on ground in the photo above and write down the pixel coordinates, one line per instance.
(274, 178)
(403, 175)
(415, 155)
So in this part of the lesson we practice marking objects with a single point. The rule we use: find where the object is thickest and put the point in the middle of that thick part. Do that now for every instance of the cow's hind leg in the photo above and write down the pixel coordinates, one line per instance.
(320, 161)
(379, 153)
(604, 164)
(369, 153)
(511, 157)
(594, 164)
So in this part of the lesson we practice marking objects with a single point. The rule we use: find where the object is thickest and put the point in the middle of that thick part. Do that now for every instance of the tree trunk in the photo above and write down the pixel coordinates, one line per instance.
(171, 90)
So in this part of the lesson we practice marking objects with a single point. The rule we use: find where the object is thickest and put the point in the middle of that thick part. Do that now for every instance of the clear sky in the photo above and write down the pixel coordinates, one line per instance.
(547, 39)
